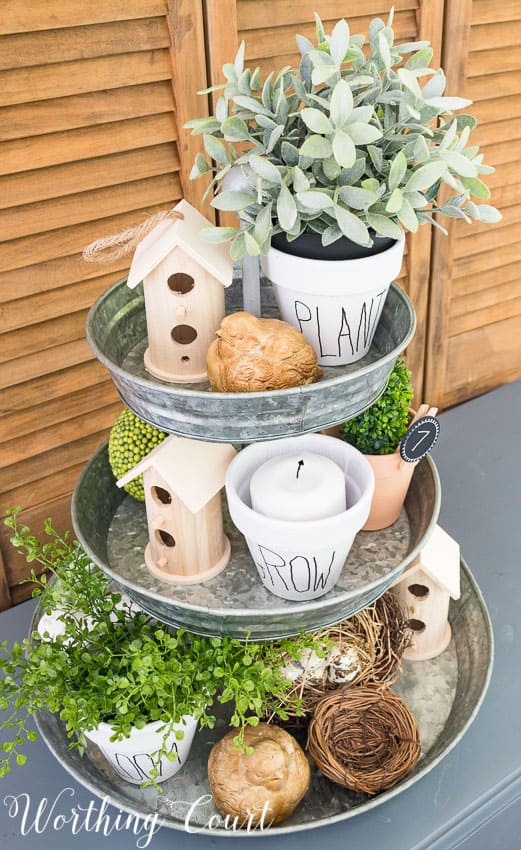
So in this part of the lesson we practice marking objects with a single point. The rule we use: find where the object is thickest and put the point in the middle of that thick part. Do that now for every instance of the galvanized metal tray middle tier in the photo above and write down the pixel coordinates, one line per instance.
(117, 334)
(112, 528)
(444, 694)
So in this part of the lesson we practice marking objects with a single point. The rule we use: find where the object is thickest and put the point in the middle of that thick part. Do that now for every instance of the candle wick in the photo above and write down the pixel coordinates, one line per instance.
(299, 467)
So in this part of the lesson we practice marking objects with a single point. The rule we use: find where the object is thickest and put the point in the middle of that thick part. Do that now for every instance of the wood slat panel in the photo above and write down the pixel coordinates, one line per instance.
(478, 357)
(48, 82)
(86, 142)
(60, 484)
(57, 302)
(87, 206)
(483, 264)
(495, 109)
(491, 297)
(54, 274)
(43, 440)
(253, 14)
(32, 186)
(56, 385)
(54, 460)
(86, 42)
(511, 215)
(40, 363)
(270, 41)
(43, 15)
(484, 88)
(497, 132)
(487, 240)
(43, 335)
(490, 11)
(492, 36)
(70, 240)
(50, 413)
(84, 110)
(494, 61)
(477, 286)
(506, 308)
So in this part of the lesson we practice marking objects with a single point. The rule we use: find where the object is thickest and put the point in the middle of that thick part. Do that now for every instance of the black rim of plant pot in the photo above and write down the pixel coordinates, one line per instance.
(309, 246)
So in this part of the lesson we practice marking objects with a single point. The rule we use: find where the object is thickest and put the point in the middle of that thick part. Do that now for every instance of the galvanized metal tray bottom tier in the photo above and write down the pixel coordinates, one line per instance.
(112, 528)
(444, 694)
(117, 334)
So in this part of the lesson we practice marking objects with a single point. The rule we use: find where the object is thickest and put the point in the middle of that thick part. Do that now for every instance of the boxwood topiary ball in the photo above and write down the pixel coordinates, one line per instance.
(130, 441)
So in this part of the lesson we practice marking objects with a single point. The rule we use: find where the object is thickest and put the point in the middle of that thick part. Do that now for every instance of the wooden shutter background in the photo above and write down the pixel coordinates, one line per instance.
(475, 315)
(88, 146)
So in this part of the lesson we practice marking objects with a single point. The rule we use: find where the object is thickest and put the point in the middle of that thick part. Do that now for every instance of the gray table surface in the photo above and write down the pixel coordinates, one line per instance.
(472, 800)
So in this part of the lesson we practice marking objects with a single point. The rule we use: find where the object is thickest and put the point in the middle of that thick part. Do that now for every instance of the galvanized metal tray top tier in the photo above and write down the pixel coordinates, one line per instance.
(116, 332)
(112, 528)
(444, 695)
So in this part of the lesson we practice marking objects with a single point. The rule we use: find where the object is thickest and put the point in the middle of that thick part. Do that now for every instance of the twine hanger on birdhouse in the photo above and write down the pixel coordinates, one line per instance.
(118, 245)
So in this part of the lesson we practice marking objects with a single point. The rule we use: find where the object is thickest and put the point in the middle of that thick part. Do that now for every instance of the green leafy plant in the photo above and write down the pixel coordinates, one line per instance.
(379, 429)
(116, 665)
(130, 440)
(349, 145)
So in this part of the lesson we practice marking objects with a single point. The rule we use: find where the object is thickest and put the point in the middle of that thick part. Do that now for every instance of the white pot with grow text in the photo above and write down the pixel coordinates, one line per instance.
(335, 303)
(296, 559)
(132, 757)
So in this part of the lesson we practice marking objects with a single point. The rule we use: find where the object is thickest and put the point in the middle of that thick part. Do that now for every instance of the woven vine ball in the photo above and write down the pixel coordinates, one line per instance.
(263, 786)
(364, 738)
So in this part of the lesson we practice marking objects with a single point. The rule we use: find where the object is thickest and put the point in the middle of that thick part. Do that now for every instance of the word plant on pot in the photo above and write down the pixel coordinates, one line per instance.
(334, 161)
(377, 434)
(119, 679)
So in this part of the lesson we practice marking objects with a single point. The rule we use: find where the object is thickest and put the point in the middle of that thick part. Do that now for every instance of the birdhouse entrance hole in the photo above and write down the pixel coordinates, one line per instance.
(416, 625)
(181, 283)
(164, 537)
(418, 590)
(184, 334)
(161, 495)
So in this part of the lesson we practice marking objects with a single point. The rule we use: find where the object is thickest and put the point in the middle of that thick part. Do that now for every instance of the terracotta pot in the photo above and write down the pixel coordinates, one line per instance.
(392, 478)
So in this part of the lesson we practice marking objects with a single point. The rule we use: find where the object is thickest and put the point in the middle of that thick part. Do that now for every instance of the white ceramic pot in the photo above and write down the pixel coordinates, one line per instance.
(300, 560)
(131, 758)
(336, 304)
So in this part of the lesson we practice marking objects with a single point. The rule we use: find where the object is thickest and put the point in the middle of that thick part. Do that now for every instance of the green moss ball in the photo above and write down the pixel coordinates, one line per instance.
(130, 441)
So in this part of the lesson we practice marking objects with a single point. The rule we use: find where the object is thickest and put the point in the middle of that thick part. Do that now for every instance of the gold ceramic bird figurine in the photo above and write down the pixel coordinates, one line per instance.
(252, 355)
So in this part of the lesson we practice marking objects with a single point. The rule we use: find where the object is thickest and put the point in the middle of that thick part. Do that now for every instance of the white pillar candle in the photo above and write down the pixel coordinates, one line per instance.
(299, 487)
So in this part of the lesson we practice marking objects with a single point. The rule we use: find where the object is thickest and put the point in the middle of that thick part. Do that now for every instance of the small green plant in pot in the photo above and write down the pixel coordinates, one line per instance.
(120, 679)
(336, 160)
(377, 434)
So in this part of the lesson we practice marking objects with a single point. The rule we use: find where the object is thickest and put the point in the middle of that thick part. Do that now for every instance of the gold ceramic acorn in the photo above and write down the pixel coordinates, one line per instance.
(253, 355)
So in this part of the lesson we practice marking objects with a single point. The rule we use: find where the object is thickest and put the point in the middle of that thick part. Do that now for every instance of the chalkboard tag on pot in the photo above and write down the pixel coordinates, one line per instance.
(419, 439)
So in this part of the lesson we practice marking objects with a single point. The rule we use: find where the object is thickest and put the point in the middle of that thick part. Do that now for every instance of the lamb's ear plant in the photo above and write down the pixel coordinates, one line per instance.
(380, 428)
(115, 664)
(358, 141)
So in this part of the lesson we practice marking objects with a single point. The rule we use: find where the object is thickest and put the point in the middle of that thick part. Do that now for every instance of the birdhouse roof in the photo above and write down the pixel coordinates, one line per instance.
(440, 559)
(181, 233)
(193, 470)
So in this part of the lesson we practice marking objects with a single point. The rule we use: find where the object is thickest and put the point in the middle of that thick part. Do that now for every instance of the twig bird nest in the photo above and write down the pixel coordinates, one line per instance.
(364, 738)
(367, 648)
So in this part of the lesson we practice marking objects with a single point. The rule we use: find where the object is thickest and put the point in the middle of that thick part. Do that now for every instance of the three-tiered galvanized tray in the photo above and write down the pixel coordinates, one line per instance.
(444, 694)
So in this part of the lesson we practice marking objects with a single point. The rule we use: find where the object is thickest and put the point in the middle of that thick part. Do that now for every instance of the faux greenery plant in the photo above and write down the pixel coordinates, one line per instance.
(350, 143)
(116, 665)
(379, 429)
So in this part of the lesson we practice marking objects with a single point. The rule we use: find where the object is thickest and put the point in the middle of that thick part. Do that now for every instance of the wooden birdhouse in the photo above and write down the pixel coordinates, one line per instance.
(183, 280)
(182, 480)
(424, 589)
